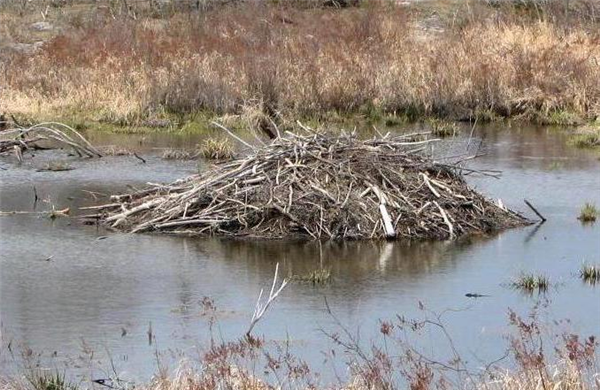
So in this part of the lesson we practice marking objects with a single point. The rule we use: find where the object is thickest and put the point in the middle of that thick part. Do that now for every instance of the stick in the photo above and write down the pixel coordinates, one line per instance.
(446, 220)
(138, 157)
(535, 211)
(231, 134)
(260, 309)
(387, 222)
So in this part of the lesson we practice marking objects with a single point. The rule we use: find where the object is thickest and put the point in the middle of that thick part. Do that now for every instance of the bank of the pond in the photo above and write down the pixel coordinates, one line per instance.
(472, 61)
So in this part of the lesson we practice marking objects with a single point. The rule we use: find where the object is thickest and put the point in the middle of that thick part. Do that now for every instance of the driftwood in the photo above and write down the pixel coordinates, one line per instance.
(319, 186)
(43, 136)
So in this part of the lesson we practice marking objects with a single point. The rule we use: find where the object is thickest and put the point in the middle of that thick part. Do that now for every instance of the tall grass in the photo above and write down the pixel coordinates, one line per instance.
(286, 62)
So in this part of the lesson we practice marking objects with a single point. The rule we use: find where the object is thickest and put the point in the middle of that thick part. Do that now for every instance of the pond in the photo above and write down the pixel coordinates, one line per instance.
(77, 296)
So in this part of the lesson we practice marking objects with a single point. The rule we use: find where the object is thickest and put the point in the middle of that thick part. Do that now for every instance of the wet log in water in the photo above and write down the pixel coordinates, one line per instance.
(319, 186)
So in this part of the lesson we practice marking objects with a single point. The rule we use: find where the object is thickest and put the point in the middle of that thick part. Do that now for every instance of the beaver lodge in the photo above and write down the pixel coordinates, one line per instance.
(319, 186)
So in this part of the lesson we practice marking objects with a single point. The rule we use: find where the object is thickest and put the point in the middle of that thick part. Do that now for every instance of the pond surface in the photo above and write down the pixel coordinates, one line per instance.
(100, 292)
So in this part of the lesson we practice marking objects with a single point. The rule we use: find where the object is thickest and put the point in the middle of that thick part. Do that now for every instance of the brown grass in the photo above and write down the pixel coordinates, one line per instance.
(217, 149)
(291, 62)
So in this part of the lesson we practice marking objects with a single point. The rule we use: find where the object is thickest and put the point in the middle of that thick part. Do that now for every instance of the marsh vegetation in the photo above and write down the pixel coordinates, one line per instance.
(258, 363)
(139, 67)
(530, 283)
(588, 213)
(316, 277)
(590, 274)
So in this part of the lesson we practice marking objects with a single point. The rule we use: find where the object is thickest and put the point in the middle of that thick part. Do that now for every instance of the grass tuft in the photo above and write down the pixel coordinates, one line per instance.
(588, 213)
(590, 274)
(178, 154)
(217, 149)
(44, 380)
(586, 139)
(319, 276)
(442, 128)
(531, 283)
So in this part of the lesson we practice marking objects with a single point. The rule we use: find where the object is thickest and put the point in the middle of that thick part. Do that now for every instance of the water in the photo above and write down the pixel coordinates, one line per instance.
(100, 291)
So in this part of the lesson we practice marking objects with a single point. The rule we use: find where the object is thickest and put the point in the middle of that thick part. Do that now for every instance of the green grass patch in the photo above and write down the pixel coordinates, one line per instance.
(559, 118)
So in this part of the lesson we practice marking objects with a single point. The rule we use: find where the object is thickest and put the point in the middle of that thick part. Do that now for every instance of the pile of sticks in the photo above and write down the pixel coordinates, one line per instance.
(45, 136)
(319, 186)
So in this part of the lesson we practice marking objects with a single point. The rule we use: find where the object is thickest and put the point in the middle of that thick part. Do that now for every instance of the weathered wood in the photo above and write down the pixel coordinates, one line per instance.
(21, 139)
(318, 186)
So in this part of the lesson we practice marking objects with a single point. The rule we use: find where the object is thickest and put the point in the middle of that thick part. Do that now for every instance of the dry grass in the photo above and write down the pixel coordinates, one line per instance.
(590, 274)
(304, 62)
(588, 213)
(441, 128)
(562, 377)
(217, 149)
(178, 154)
(531, 283)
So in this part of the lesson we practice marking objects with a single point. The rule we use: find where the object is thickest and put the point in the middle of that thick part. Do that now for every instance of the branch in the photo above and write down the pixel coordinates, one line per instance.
(260, 309)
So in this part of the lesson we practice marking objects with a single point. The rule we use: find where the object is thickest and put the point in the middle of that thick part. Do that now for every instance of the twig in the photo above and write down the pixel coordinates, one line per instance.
(261, 308)
(543, 219)
(231, 134)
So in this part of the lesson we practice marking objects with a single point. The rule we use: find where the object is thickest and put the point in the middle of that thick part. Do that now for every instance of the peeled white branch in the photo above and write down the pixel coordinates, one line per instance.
(261, 309)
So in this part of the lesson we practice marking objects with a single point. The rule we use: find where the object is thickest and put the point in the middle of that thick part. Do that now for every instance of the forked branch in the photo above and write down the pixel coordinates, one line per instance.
(261, 309)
